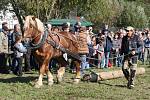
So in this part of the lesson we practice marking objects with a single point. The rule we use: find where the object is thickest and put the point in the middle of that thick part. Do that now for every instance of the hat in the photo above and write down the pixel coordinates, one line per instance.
(78, 23)
(49, 25)
(82, 28)
(90, 28)
(4, 23)
(129, 28)
(5, 28)
(66, 25)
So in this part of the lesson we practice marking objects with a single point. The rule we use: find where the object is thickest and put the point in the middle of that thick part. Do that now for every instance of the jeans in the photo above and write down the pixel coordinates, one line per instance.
(118, 59)
(141, 56)
(83, 63)
(107, 58)
(147, 55)
(101, 61)
(17, 63)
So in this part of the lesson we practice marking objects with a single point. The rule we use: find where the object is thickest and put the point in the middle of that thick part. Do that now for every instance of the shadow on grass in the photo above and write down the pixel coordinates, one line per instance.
(18, 79)
(123, 86)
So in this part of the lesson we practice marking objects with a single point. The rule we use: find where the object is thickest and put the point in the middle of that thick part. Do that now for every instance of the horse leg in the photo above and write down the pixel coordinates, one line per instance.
(50, 78)
(60, 73)
(49, 75)
(39, 83)
(78, 73)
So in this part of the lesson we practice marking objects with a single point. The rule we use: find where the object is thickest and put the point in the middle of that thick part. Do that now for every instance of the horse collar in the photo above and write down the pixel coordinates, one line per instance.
(40, 42)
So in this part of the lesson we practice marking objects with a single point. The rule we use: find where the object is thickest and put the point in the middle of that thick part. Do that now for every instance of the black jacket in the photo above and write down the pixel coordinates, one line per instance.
(108, 44)
(129, 44)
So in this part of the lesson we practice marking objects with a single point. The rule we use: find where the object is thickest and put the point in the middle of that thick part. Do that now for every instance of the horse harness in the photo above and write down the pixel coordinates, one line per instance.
(44, 38)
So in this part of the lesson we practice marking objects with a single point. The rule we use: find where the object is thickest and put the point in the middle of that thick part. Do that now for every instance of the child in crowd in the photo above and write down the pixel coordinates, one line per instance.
(115, 48)
(19, 49)
(100, 52)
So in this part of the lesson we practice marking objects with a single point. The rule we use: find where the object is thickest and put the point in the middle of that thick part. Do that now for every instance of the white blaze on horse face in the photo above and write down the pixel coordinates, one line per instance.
(26, 26)
(27, 22)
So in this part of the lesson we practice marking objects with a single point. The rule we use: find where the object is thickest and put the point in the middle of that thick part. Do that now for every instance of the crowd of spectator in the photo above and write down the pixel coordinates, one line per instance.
(101, 49)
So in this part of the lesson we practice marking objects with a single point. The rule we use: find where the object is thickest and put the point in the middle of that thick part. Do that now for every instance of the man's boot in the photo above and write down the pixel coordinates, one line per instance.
(131, 80)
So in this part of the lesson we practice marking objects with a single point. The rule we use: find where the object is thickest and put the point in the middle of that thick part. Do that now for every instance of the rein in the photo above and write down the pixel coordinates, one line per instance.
(35, 38)
(43, 37)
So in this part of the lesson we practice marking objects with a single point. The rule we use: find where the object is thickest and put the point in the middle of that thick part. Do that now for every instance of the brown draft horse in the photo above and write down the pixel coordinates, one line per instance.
(34, 29)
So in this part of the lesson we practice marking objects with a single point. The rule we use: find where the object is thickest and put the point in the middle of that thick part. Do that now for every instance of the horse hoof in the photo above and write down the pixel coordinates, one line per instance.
(59, 79)
(76, 81)
(37, 86)
(50, 83)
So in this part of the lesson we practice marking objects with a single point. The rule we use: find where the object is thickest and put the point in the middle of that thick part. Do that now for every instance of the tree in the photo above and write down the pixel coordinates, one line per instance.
(40, 8)
(100, 11)
(122, 12)
(3, 4)
(133, 15)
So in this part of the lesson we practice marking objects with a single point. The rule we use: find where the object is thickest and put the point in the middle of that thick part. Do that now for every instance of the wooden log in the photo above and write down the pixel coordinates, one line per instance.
(111, 75)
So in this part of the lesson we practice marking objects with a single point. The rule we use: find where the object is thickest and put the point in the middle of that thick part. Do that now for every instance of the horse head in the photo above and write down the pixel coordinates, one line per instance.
(32, 27)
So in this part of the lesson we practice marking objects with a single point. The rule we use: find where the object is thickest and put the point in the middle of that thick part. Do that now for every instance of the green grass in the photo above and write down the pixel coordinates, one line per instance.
(21, 88)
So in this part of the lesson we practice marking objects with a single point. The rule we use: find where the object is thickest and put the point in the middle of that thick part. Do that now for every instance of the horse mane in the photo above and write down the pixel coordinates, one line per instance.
(40, 25)
(35, 22)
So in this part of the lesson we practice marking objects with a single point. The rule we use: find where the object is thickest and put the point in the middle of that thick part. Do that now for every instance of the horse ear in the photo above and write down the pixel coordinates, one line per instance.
(33, 18)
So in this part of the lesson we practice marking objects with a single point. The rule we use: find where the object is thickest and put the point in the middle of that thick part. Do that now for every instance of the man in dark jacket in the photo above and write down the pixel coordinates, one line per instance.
(107, 48)
(130, 46)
